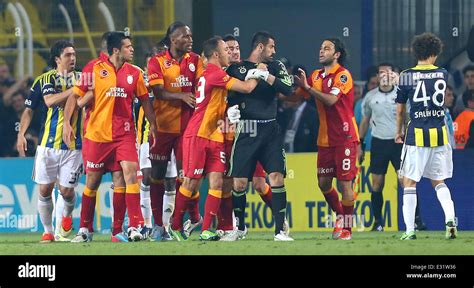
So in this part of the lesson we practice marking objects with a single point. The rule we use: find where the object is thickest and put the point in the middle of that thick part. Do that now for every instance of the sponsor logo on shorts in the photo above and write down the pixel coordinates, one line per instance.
(198, 171)
(157, 157)
(93, 165)
(325, 170)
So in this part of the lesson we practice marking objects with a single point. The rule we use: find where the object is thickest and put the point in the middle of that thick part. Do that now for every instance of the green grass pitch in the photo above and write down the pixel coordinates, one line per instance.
(256, 243)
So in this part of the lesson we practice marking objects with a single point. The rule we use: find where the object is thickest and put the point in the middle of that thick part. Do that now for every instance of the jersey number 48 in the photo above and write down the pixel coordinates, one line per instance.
(440, 87)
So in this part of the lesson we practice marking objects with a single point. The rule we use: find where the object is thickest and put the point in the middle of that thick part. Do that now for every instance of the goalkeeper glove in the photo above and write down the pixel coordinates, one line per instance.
(233, 113)
(257, 74)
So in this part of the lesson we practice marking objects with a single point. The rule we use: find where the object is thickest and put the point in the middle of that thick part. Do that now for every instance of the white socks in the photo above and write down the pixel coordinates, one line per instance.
(58, 210)
(45, 209)
(444, 197)
(145, 204)
(168, 206)
(69, 206)
(409, 207)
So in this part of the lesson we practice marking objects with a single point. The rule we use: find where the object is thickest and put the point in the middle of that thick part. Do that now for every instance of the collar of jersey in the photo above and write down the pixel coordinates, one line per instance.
(425, 67)
(169, 57)
(332, 71)
(107, 62)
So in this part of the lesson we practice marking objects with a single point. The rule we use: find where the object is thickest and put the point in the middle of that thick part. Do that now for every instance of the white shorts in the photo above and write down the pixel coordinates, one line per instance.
(53, 165)
(145, 161)
(144, 153)
(435, 163)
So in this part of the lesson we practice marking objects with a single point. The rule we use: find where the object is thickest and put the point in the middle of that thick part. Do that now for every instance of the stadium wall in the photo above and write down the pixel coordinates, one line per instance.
(307, 210)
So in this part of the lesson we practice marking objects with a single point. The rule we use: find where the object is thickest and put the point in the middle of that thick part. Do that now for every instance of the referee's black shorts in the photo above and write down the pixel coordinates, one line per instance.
(381, 153)
(257, 140)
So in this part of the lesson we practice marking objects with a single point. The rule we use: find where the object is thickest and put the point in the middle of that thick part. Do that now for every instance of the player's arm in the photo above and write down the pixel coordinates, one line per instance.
(160, 93)
(243, 86)
(281, 82)
(21, 144)
(83, 101)
(141, 92)
(71, 106)
(327, 99)
(51, 98)
(401, 111)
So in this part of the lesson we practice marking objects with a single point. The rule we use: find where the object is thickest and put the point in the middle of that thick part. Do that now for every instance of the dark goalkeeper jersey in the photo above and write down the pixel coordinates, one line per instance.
(261, 104)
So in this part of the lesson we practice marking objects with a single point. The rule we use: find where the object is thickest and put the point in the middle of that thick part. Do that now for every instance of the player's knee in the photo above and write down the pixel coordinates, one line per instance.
(170, 184)
(276, 179)
(46, 189)
(259, 185)
(158, 170)
(324, 186)
(67, 193)
(240, 185)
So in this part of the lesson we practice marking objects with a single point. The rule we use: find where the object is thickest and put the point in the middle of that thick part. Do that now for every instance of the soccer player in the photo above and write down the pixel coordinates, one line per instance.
(173, 77)
(55, 160)
(258, 136)
(426, 150)
(225, 216)
(110, 137)
(203, 142)
(338, 137)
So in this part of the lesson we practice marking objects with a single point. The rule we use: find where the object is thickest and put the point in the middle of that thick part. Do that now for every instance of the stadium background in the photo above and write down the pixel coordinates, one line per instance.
(374, 31)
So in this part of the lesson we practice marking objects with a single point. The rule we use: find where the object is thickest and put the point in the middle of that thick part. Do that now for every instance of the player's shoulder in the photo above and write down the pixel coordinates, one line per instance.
(371, 93)
(194, 56)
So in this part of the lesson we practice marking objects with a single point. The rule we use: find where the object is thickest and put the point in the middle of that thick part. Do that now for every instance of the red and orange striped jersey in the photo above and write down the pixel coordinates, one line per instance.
(111, 116)
(211, 94)
(173, 116)
(337, 124)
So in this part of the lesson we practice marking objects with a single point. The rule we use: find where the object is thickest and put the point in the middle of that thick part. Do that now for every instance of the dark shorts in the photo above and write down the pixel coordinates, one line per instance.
(257, 141)
(381, 153)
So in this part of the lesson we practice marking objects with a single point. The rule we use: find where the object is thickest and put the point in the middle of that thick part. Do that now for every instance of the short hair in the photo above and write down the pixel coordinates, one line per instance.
(56, 51)
(114, 40)
(386, 64)
(467, 96)
(211, 45)
(467, 69)
(340, 47)
(171, 29)
(229, 37)
(103, 41)
(426, 45)
(261, 37)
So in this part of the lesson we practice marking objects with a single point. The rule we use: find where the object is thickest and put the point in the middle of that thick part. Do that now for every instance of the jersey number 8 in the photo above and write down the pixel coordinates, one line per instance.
(425, 98)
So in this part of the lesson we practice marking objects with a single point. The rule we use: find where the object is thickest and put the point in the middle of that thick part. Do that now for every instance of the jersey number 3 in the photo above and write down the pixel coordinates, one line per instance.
(440, 87)
(200, 90)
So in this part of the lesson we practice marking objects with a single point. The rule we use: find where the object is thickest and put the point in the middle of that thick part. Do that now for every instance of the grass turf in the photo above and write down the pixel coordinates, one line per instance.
(256, 243)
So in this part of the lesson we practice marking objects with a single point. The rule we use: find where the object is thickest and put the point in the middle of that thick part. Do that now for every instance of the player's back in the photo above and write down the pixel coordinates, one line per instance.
(211, 93)
(424, 87)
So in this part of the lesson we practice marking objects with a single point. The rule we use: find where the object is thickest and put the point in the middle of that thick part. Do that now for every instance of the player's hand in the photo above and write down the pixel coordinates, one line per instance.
(360, 153)
(21, 145)
(233, 113)
(300, 79)
(257, 74)
(262, 66)
(154, 133)
(399, 138)
(189, 99)
(68, 133)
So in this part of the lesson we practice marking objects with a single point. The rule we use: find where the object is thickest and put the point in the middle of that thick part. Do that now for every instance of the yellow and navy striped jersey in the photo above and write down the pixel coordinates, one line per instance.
(143, 127)
(51, 133)
(424, 86)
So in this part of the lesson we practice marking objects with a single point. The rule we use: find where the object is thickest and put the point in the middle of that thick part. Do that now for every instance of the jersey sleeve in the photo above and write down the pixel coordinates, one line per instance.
(141, 91)
(366, 109)
(283, 82)
(47, 85)
(155, 75)
(402, 90)
(85, 81)
(34, 97)
(200, 67)
(342, 84)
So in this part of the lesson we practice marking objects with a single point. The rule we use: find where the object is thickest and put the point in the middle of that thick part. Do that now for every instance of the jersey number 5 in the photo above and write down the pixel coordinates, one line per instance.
(200, 90)
(440, 87)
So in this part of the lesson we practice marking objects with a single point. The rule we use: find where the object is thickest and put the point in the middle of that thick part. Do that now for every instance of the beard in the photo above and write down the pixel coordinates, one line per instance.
(326, 62)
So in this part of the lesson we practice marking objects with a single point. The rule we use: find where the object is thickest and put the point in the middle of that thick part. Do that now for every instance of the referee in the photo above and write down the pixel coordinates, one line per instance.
(379, 109)
(258, 136)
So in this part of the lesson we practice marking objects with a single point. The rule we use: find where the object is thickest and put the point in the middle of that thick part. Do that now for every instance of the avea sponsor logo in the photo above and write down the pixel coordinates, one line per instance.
(181, 81)
(94, 165)
(116, 92)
